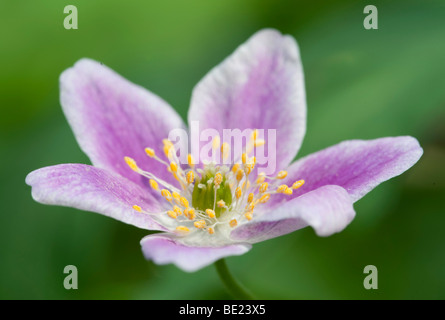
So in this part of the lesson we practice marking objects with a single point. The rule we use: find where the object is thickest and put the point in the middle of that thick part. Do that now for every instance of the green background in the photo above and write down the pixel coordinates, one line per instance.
(360, 84)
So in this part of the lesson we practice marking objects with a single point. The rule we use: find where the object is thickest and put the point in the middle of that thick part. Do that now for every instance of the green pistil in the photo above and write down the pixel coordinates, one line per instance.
(203, 196)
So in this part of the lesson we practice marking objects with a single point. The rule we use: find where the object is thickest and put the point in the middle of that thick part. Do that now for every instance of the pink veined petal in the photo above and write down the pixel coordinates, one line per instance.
(165, 249)
(92, 189)
(356, 165)
(328, 210)
(260, 86)
(113, 118)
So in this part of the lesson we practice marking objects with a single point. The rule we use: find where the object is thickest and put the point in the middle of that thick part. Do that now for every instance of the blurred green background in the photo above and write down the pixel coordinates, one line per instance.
(360, 84)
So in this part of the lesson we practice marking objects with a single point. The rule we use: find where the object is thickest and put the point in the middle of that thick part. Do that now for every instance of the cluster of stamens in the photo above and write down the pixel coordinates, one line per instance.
(215, 196)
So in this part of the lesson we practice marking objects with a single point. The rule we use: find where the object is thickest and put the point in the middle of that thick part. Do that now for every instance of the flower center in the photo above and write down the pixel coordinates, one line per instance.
(215, 198)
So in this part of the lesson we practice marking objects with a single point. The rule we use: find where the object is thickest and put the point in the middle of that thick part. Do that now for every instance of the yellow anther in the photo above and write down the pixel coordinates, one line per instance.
(263, 187)
(150, 152)
(153, 184)
(259, 142)
(173, 166)
(221, 204)
(182, 229)
(210, 230)
(172, 214)
(131, 163)
(199, 224)
(244, 158)
(252, 160)
(288, 191)
(238, 192)
(250, 206)
(235, 168)
(190, 177)
(261, 178)
(176, 196)
(239, 175)
(190, 160)
(225, 148)
(233, 223)
(177, 210)
(255, 134)
(184, 202)
(215, 143)
(282, 188)
(249, 216)
(210, 213)
(190, 213)
(249, 167)
(297, 184)
(264, 198)
(166, 194)
(250, 198)
(137, 208)
(282, 174)
(218, 179)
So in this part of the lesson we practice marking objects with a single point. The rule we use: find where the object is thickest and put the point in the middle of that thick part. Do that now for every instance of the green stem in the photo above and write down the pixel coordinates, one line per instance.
(235, 288)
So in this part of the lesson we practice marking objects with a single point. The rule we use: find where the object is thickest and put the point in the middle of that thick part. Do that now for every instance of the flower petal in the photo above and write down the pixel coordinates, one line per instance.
(113, 118)
(88, 188)
(260, 86)
(328, 210)
(356, 165)
(165, 249)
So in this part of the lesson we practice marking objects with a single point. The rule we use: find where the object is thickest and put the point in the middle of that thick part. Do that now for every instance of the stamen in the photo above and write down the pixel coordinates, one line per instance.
(215, 143)
(173, 167)
(233, 223)
(255, 134)
(190, 213)
(239, 175)
(263, 187)
(190, 160)
(137, 208)
(153, 184)
(177, 197)
(288, 191)
(166, 194)
(261, 178)
(190, 177)
(282, 188)
(225, 148)
(210, 230)
(199, 224)
(282, 174)
(218, 179)
(235, 168)
(249, 216)
(172, 214)
(150, 152)
(131, 163)
(210, 213)
(221, 204)
(184, 202)
(250, 197)
(244, 158)
(264, 198)
(182, 229)
(238, 192)
(177, 210)
(297, 184)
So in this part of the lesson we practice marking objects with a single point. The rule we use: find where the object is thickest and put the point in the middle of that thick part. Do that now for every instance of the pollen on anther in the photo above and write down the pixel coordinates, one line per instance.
(233, 223)
(166, 194)
(150, 152)
(210, 230)
(153, 184)
(190, 160)
(282, 174)
(173, 166)
(221, 204)
(210, 213)
(131, 163)
(184, 202)
(239, 175)
(238, 192)
(250, 197)
(177, 197)
(137, 208)
(244, 158)
(282, 188)
(264, 198)
(172, 214)
(297, 184)
(177, 210)
(218, 179)
(182, 229)
(263, 187)
(288, 191)
(199, 224)
(190, 177)
(235, 168)
(248, 215)
(190, 213)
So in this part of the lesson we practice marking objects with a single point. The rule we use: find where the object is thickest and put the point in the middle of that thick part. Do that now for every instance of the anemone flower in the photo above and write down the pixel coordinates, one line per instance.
(206, 211)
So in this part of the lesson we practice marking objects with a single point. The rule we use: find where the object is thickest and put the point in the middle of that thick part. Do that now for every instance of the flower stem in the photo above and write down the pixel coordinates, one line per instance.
(235, 288)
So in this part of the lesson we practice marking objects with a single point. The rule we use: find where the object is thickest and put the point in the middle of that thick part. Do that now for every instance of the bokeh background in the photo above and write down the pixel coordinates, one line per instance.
(360, 84)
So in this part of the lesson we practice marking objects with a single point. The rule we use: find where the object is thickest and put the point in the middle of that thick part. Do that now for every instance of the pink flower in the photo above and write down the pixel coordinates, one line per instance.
(260, 86)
